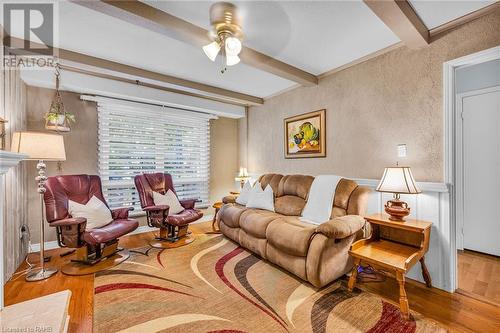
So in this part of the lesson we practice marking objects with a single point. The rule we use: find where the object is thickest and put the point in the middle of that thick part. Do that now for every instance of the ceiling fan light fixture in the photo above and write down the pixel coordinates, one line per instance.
(226, 33)
(232, 60)
(212, 50)
(233, 46)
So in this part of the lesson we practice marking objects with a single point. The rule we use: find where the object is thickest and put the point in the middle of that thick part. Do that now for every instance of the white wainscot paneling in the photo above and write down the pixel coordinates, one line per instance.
(431, 205)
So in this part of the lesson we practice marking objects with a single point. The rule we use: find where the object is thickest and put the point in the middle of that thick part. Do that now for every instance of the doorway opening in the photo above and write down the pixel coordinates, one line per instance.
(472, 170)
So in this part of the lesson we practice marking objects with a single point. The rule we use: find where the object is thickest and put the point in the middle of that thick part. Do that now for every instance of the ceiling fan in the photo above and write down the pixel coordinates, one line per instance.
(226, 33)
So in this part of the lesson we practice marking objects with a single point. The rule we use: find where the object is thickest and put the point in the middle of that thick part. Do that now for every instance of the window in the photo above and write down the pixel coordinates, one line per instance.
(136, 138)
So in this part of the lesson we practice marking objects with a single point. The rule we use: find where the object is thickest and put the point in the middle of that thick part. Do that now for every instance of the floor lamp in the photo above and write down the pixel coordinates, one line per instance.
(40, 147)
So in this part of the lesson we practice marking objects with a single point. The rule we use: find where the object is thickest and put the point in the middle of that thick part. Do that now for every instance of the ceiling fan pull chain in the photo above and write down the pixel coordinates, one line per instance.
(223, 56)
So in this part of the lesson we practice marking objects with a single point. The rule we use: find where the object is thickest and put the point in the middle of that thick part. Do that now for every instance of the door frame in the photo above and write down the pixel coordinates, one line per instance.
(450, 146)
(459, 160)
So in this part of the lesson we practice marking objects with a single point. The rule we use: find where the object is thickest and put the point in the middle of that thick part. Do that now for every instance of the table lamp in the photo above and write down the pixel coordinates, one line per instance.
(40, 147)
(397, 180)
(242, 177)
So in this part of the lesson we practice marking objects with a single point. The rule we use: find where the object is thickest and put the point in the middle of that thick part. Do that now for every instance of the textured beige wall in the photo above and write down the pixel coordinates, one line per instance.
(223, 157)
(371, 107)
(81, 150)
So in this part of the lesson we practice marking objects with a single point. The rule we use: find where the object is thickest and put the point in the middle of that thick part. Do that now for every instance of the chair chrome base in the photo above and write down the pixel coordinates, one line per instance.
(82, 268)
(168, 243)
(40, 274)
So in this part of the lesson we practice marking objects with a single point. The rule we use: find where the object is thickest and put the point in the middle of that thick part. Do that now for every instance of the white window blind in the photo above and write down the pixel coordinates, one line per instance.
(136, 138)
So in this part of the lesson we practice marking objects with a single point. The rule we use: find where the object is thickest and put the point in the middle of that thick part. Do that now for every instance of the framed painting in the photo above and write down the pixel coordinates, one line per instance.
(305, 135)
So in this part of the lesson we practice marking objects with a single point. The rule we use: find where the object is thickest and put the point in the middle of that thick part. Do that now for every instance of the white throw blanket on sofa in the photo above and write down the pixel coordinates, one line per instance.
(320, 200)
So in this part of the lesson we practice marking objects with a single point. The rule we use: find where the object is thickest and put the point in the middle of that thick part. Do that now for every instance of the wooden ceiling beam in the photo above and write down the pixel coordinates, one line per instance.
(400, 17)
(148, 17)
(140, 73)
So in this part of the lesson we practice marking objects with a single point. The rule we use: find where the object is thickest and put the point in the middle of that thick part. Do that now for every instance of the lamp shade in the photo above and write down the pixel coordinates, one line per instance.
(398, 180)
(211, 50)
(232, 60)
(39, 146)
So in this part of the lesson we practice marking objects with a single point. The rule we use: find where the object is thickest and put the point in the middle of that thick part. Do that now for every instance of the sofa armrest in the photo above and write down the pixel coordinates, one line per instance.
(121, 213)
(358, 201)
(229, 199)
(68, 222)
(341, 227)
(156, 209)
(188, 203)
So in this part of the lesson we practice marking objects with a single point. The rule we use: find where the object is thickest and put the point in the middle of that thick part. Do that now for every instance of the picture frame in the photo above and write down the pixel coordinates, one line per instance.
(305, 135)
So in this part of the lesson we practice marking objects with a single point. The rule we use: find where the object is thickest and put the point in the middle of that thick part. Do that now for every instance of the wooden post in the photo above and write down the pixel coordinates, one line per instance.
(403, 299)
(425, 273)
(354, 275)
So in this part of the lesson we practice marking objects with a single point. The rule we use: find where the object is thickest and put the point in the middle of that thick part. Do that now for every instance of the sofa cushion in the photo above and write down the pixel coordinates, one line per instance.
(342, 227)
(290, 235)
(109, 232)
(185, 217)
(230, 214)
(233, 233)
(289, 205)
(255, 221)
(271, 179)
(292, 194)
(254, 244)
(296, 185)
(343, 192)
(294, 264)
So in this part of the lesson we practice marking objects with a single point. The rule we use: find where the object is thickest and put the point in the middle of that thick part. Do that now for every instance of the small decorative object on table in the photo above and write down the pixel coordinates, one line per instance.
(242, 177)
(397, 180)
(395, 247)
(40, 147)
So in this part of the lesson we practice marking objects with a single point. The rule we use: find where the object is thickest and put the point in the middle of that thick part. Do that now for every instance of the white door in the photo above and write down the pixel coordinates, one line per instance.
(481, 170)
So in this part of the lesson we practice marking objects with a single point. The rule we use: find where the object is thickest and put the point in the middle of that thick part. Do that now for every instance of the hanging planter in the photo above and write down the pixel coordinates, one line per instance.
(57, 119)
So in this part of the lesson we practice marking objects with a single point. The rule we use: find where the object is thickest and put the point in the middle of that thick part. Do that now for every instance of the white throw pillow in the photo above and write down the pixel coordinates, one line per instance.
(262, 199)
(242, 199)
(95, 211)
(169, 199)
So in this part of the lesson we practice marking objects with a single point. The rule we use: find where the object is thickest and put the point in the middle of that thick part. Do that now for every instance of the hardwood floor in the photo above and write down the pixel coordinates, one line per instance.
(458, 312)
(479, 276)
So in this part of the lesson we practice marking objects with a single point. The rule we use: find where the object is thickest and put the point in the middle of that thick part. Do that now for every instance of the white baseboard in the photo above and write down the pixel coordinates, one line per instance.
(143, 228)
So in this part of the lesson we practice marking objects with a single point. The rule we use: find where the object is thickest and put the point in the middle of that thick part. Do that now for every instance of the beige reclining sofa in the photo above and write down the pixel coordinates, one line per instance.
(314, 253)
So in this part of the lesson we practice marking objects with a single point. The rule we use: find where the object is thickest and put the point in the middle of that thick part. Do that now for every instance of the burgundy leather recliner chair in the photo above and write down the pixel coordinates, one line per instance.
(173, 228)
(95, 245)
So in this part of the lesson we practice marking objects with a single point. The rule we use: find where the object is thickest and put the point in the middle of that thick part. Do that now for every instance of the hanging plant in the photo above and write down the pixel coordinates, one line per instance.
(57, 119)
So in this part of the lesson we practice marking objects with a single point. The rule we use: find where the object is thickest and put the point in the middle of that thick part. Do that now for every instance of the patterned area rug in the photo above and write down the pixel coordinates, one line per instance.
(213, 285)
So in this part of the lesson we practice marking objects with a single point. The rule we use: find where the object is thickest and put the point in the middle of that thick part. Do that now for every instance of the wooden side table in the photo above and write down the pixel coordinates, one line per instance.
(217, 206)
(395, 246)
